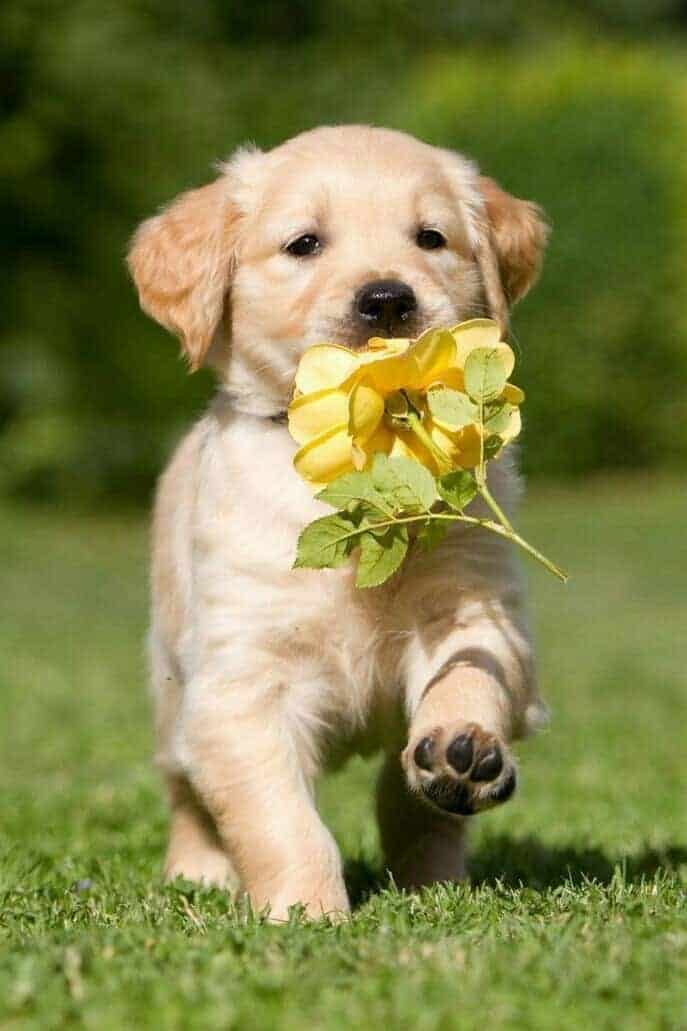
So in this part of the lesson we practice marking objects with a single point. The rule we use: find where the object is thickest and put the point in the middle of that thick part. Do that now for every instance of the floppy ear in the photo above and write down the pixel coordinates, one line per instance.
(182, 260)
(517, 232)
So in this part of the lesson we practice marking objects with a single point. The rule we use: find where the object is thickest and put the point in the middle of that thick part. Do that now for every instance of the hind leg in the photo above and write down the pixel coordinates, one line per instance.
(421, 845)
(194, 851)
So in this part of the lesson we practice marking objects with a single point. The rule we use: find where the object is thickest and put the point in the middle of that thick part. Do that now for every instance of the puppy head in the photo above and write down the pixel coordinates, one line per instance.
(340, 234)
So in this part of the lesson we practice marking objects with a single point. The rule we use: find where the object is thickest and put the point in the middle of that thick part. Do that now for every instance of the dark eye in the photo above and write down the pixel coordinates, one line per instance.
(430, 239)
(304, 246)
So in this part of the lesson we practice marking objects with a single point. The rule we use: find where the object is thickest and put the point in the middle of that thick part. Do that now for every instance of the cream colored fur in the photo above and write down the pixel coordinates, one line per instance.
(263, 676)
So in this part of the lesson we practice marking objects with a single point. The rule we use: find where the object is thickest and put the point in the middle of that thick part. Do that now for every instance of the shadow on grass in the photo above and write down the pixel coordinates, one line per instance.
(527, 862)
(363, 880)
(532, 864)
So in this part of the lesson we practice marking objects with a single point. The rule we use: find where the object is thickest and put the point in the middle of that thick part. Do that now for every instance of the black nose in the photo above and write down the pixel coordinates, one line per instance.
(385, 304)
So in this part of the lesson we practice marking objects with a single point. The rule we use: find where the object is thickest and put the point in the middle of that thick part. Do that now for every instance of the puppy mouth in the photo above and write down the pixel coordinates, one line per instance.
(355, 336)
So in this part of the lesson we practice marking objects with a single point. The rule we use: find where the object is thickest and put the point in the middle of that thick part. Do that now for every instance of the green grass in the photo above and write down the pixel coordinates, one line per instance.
(576, 913)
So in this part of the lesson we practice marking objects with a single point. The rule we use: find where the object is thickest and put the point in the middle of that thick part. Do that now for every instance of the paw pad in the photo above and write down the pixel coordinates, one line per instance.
(461, 770)
(460, 753)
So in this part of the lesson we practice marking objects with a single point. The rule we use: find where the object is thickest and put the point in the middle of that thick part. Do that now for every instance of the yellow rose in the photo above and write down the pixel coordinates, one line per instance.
(348, 405)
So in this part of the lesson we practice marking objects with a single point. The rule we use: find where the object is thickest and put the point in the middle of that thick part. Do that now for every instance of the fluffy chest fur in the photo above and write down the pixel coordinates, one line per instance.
(340, 654)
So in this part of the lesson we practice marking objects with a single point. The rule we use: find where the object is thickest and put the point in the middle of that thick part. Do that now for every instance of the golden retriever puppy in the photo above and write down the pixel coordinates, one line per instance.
(263, 676)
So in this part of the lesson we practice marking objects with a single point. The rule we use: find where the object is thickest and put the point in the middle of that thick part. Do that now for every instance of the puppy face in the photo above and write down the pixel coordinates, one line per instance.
(339, 234)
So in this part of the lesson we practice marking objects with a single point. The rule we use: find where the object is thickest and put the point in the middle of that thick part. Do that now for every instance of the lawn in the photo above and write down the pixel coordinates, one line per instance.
(576, 912)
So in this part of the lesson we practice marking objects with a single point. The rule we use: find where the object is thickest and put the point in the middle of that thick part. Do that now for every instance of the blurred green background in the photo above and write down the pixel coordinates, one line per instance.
(110, 109)
(576, 916)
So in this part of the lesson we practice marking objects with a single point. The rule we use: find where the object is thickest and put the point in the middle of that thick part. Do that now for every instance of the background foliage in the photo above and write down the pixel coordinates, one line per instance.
(110, 109)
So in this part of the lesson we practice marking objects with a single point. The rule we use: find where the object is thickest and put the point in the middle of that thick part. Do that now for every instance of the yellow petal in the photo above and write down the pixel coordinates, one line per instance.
(365, 410)
(514, 395)
(381, 440)
(443, 437)
(461, 446)
(452, 377)
(433, 352)
(399, 448)
(390, 345)
(474, 333)
(313, 414)
(467, 452)
(358, 456)
(324, 366)
(326, 457)
(389, 373)
(406, 445)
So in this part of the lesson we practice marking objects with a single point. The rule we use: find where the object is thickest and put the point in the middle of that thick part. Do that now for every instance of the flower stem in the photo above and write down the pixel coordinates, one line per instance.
(494, 506)
(511, 535)
(439, 456)
(486, 524)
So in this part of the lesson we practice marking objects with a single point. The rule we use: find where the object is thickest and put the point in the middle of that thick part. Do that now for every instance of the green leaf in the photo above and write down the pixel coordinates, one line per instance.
(457, 488)
(486, 372)
(492, 446)
(380, 557)
(353, 487)
(405, 484)
(326, 542)
(499, 417)
(433, 533)
(452, 407)
(369, 518)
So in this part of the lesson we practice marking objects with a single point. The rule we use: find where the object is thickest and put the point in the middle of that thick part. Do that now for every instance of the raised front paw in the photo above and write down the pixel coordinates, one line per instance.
(460, 769)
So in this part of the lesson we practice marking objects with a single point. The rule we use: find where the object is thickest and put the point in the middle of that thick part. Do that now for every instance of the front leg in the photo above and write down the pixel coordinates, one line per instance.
(249, 768)
(452, 767)
(470, 689)
(457, 757)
